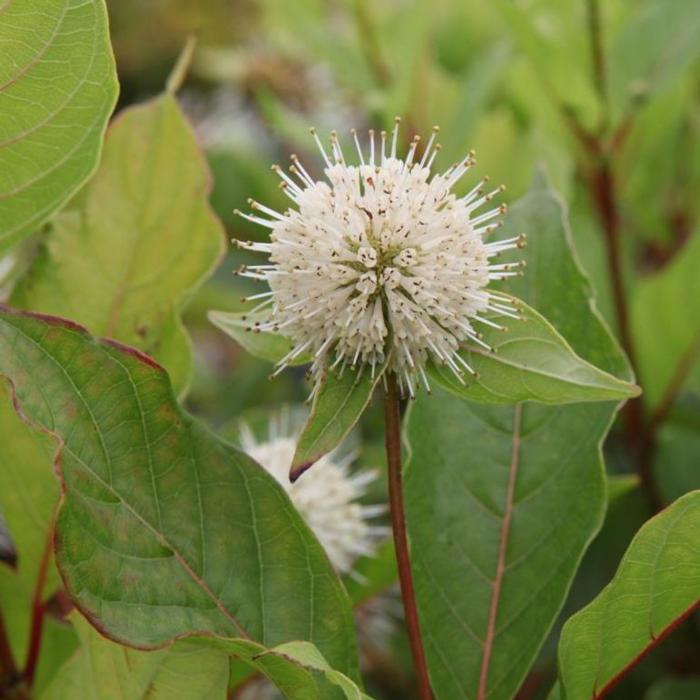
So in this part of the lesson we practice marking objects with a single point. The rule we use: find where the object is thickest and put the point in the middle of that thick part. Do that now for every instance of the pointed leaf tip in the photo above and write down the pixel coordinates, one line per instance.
(296, 471)
(532, 362)
(338, 404)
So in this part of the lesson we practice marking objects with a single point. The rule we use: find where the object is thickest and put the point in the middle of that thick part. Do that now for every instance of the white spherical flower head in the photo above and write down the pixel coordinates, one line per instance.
(327, 499)
(382, 265)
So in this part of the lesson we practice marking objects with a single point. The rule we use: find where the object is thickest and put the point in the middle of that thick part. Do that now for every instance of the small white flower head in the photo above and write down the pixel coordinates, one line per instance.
(382, 265)
(327, 499)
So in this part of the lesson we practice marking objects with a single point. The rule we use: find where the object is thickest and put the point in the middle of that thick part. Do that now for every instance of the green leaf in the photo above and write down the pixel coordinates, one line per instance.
(501, 501)
(531, 362)
(656, 586)
(126, 256)
(337, 406)
(242, 328)
(58, 86)
(296, 668)
(103, 670)
(164, 530)
(654, 48)
(666, 324)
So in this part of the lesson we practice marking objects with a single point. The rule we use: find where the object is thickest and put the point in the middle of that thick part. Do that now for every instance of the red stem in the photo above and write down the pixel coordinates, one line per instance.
(38, 610)
(639, 439)
(8, 669)
(392, 415)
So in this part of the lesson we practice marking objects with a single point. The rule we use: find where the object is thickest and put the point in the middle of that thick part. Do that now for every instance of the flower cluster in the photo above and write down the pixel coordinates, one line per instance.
(329, 500)
(381, 266)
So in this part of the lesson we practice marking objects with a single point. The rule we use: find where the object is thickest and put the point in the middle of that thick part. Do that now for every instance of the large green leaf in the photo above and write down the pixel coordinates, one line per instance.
(164, 530)
(58, 87)
(531, 362)
(103, 670)
(656, 45)
(502, 501)
(666, 323)
(656, 586)
(125, 257)
(338, 404)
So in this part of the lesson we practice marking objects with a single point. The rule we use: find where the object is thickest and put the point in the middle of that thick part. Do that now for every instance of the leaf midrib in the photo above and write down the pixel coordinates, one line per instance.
(543, 373)
(502, 550)
(123, 286)
(310, 450)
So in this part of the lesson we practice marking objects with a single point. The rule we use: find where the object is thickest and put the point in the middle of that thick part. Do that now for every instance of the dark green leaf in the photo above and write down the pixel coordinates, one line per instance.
(164, 530)
(677, 454)
(58, 87)
(337, 406)
(503, 501)
(656, 586)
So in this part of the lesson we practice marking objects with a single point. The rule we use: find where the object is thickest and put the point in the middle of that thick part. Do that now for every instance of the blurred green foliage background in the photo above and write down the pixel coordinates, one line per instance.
(605, 95)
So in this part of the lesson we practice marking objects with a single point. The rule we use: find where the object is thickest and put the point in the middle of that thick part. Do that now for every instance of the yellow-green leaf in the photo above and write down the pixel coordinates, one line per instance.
(124, 258)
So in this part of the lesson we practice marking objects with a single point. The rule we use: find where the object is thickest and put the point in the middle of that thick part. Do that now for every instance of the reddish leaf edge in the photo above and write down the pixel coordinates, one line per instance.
(88, 614)
(653, 643)
(196, 636)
